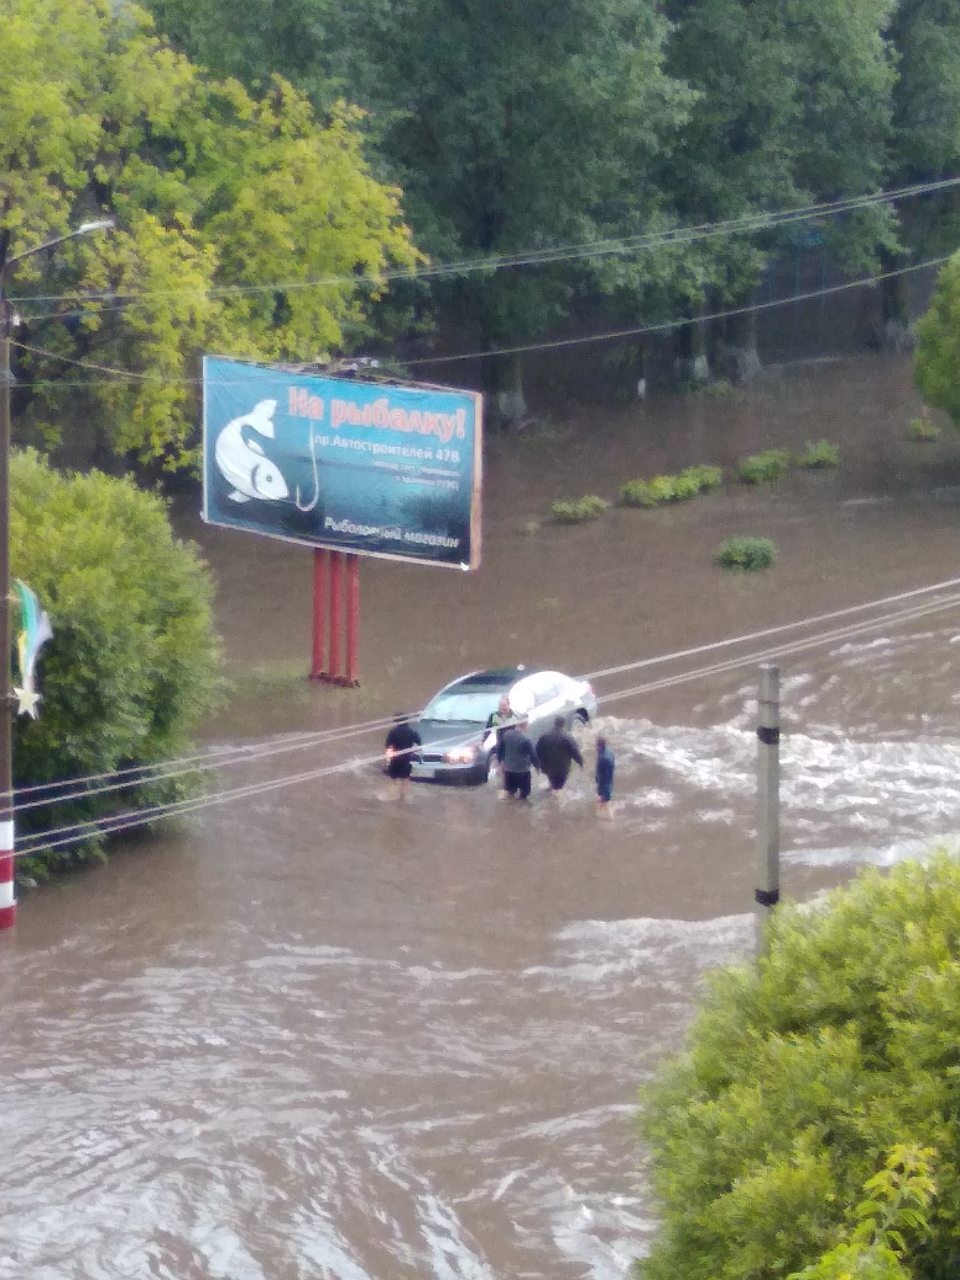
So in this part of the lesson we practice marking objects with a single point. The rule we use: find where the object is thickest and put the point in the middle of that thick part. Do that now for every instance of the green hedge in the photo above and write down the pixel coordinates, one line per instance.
(746, 552)
(134, 662)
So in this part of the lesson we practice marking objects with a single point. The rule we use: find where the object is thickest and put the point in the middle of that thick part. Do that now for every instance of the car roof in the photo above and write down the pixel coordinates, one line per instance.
(494, 677)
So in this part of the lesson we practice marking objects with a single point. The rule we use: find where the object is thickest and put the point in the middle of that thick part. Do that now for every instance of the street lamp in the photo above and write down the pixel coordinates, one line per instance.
(8, 906)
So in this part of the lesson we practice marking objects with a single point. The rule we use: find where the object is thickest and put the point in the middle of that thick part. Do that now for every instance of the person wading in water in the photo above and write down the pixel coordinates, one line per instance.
(399, 750)
(519, 758)
(557, 751)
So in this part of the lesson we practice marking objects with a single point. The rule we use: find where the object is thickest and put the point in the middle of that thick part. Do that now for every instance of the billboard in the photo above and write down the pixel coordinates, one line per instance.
(373, 468)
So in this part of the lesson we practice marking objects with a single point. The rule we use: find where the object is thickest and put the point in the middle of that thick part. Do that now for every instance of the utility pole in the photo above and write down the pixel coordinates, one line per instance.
(767, 893)
(8, 906)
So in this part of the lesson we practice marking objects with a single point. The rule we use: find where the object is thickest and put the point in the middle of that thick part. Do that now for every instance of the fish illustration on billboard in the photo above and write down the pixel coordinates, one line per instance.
(242, 460)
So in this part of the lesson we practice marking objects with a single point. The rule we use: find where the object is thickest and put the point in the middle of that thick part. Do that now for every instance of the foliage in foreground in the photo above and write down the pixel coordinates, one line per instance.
(746, 552)
(576, 510)
(832, 1061)
(133, 663)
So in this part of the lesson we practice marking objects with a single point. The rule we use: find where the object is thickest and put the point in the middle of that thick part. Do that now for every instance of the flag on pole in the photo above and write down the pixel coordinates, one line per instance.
(35, 631)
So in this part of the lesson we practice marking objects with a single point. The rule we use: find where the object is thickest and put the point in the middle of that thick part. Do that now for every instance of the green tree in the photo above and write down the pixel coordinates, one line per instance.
(228, 207)
(510, 128)
(794, 108)
(925, 143)
(936, 369)
(828, 1065)
(134, 662)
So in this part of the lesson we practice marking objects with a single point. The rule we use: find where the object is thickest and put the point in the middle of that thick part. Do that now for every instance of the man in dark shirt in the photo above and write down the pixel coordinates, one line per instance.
(556, 751)
(399, 750)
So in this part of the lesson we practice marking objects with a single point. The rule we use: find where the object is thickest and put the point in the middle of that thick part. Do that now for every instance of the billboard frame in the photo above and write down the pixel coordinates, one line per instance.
(386, 384)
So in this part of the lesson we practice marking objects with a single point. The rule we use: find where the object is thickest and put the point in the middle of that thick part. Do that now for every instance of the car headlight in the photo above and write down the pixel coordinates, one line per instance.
(461, 755)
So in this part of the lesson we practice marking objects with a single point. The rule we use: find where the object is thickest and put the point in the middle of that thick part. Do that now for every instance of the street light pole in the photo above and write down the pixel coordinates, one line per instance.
(8, 905)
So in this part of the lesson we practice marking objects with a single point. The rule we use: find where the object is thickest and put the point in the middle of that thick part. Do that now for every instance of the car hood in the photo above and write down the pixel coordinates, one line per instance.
(445, 734)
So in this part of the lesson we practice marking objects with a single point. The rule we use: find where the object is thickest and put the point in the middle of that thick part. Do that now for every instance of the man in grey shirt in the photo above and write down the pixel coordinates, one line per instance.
(519, 758)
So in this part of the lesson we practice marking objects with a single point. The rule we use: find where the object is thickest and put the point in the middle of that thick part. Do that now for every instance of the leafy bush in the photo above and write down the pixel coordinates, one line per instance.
(763, 468)
(579, 509)
(747, 553)
(922, 430)
(819, 454)
(648, 493)
(706, 478)
(826, 1070)
(685, 486)
(133, 663)
(663, 489)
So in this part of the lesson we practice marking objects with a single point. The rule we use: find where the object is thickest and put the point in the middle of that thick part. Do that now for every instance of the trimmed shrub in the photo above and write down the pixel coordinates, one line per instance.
(648, 493)
(818, 455)
(589, 507)
(663, 489)
(763, 468)
(133, 664)
(706, 478)
(747, 553)
(923, 431)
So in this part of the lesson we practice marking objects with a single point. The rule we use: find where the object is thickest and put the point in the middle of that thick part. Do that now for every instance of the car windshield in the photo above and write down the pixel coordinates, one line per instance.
(467, 706)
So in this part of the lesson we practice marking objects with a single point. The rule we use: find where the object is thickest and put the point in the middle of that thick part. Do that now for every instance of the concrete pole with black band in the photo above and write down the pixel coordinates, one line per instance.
(768, 797)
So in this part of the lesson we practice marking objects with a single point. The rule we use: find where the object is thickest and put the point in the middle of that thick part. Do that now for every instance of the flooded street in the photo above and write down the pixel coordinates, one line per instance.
(312, 1034)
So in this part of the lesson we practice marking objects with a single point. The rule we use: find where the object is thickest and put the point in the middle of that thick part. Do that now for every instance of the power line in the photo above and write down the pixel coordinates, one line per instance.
(551, 345)
(78, 832)
(662, 326)
(746, 224)
(813, 621)
(146, 774)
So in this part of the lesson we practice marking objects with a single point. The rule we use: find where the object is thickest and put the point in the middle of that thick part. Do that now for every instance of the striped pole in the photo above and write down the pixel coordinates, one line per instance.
(767, 893)
(8, 905)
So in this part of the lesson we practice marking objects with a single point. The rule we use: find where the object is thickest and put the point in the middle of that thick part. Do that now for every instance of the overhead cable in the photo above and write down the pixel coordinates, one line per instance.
(79, 832)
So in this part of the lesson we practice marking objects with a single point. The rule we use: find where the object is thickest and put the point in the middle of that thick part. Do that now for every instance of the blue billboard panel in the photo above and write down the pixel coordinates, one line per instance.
(363, 467)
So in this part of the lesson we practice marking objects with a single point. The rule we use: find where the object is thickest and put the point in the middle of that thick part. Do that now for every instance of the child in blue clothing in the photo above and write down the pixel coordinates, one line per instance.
(604, 775)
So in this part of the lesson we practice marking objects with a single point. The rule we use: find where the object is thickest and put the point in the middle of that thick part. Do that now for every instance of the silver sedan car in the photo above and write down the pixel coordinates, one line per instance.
(459, 743)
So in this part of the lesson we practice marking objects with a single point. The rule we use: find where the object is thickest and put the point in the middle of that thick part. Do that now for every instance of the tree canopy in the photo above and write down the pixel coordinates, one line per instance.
(829, 1064)
(243, 222)
(514, 128)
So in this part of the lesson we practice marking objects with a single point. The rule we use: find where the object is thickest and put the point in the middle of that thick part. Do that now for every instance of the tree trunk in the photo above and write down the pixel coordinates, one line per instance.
(895, 332)
(503, 383)
(690, 362)
(739, 359)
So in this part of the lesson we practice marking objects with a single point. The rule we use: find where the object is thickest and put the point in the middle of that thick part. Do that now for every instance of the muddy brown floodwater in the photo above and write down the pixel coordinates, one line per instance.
(311, 1034)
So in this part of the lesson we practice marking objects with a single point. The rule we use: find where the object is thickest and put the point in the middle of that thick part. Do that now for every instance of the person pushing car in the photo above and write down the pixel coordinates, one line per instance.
(519, 758)
(557, 751)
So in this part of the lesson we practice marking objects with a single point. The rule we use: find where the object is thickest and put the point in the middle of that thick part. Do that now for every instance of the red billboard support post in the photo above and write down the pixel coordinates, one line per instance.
(336, 616)
(336, 576)
(317, 669)
(353, 617)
